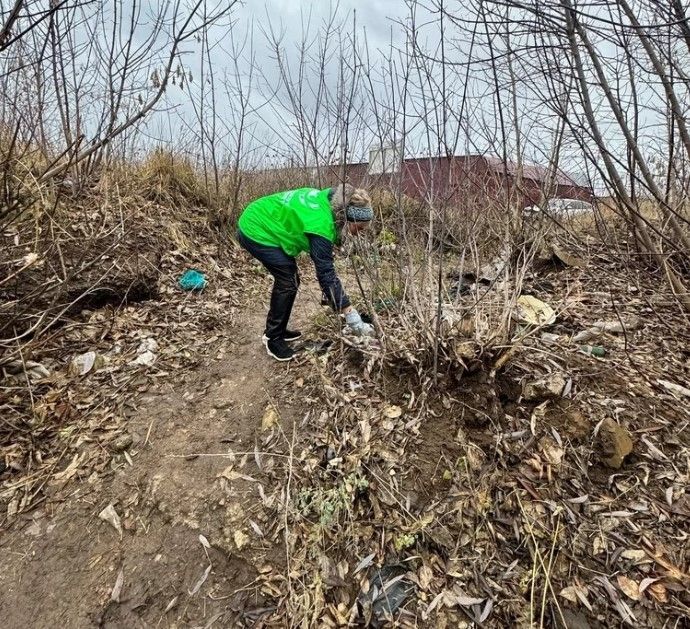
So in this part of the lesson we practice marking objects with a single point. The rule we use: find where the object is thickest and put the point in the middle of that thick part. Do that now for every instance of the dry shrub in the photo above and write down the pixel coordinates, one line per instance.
(240, 187)
(611, 225)
(398, 214)
(262, 182)
(171, 180)
(21, 166)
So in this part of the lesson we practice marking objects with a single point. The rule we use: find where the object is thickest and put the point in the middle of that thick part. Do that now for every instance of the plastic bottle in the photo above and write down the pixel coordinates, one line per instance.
(593, 350)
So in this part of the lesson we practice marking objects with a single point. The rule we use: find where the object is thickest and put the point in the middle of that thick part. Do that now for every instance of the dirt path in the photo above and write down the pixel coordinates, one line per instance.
(196, 531)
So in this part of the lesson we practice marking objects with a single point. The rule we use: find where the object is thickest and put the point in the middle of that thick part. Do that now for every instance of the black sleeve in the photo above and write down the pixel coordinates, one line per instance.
(321, 252)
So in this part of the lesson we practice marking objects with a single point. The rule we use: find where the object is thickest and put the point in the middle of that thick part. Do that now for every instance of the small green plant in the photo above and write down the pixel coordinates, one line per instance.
(386, 238)
(322, 318)
(329, 504)
(404, 541)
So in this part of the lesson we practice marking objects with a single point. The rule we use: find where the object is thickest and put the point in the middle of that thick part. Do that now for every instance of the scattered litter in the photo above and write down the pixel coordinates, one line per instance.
(619, 327)
(146, 353)
(149, 344)
(110, 516)
(404, 452)
(146, 359)
(534, 311)
(551, 386)
(192, 280)
(593, 350)
(549, 338)
(84, 363)
(674, 388)
(610, 327)
(388, 590)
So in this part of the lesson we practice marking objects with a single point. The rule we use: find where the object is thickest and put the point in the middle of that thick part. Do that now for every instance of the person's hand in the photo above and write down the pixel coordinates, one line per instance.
(358, 327)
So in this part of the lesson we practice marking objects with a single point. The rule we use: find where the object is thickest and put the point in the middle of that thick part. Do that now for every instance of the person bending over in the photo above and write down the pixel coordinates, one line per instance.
(275, 229)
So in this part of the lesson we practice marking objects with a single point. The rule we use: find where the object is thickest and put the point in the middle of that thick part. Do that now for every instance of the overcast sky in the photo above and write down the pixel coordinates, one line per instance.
(378, 27)
(273, 134)
(400, 93)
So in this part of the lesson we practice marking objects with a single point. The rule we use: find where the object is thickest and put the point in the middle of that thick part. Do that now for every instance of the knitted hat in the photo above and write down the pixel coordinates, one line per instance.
(355, 214)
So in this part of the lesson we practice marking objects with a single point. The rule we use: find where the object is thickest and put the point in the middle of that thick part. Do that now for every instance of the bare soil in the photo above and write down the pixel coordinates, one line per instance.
(60, 562)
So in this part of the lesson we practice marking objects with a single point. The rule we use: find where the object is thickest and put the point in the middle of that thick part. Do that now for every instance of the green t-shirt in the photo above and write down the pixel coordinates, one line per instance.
(283, 219)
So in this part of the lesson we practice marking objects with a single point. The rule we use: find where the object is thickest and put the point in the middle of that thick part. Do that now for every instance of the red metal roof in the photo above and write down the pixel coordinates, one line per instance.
(529, 171)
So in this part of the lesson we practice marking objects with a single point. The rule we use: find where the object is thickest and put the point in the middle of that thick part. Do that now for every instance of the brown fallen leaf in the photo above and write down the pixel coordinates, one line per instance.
(425, 575)
(658, 592)
(552, 452)
(576, 593)
(232, 475)
(569, 594)
(629, 587)
(269, 419)
(391, 412)
(672, 571)
(634, 554)
(69, 471)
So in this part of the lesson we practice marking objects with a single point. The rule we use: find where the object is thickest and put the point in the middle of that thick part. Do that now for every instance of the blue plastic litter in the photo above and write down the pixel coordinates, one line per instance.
(192, 280)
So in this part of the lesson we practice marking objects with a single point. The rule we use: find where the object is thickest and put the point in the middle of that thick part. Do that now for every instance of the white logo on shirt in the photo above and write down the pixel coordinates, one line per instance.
(308, 199)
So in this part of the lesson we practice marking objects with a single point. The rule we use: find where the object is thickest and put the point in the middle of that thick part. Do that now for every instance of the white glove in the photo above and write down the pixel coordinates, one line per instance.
(358, 327)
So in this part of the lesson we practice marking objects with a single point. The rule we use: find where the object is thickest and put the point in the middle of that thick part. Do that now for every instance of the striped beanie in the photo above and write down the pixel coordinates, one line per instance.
(355, 214)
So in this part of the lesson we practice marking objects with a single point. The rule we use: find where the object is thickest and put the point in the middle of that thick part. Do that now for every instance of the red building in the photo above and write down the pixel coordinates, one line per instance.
(464, 180)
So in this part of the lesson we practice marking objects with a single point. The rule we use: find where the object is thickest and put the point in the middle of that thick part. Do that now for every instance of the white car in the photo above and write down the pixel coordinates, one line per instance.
(562, 207)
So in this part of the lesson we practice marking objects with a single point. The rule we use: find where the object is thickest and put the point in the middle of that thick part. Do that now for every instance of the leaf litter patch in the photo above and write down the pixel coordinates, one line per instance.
(482, 498)
(550, 490)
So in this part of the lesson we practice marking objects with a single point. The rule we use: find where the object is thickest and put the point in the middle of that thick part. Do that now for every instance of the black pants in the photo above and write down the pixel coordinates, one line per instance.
(283, 268)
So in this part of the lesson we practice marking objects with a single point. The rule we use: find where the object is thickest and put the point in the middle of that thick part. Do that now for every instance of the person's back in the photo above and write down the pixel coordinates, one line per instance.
(284, 219)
